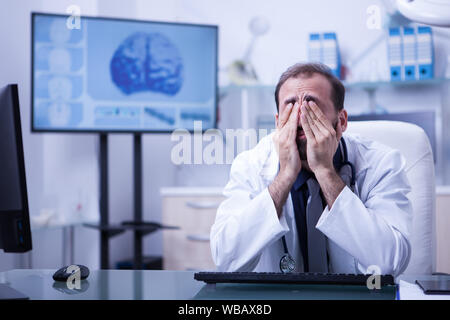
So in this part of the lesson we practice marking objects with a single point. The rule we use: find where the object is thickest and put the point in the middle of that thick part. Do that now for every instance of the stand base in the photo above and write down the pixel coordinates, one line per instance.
(8, 293)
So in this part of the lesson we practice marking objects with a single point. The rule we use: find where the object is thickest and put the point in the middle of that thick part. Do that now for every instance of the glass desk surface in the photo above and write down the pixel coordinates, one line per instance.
(179, 285)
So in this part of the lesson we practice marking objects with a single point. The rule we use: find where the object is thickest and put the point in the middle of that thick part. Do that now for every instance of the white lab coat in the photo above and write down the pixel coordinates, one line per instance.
(368, 227)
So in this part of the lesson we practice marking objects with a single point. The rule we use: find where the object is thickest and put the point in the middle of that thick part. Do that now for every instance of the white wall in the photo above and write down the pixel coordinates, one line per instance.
(291, 21)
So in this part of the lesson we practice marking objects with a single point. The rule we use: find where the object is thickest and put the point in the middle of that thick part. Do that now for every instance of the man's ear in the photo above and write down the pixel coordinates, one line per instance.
(343, 118)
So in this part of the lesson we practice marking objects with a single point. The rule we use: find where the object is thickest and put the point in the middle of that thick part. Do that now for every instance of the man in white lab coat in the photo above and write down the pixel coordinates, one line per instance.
(293, 201)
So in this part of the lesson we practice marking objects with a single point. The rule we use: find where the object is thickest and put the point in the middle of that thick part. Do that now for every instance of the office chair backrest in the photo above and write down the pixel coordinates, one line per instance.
(414, 145)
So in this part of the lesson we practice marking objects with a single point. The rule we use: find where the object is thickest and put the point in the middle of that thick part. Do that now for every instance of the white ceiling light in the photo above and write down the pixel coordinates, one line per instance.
(432, 12)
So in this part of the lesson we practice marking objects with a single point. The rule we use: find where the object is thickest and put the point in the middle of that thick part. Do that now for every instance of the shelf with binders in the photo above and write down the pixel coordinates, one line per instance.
(369, 86)
(348, 85)
(406, 83)
(248, 116)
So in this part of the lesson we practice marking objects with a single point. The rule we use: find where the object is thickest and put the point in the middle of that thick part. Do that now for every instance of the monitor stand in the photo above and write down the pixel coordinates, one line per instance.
(8, 293)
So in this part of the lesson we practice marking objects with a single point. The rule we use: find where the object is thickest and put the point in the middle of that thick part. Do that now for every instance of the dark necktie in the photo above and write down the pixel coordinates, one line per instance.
(317, 246)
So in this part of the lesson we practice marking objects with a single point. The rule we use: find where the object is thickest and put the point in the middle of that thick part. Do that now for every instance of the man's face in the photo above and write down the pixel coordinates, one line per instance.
(314, 88)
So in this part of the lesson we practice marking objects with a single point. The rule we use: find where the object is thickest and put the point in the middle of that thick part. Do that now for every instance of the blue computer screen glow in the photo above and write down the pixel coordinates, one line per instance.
(122, 75)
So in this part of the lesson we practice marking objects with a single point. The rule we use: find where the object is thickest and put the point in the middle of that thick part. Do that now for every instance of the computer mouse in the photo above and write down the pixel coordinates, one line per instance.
(64, 273)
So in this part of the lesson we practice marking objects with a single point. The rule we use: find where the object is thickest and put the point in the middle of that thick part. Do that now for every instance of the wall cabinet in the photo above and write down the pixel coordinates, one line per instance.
(193, 210)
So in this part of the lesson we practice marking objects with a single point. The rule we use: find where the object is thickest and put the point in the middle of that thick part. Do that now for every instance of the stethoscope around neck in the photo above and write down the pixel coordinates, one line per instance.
(287, 263)
(346, 162)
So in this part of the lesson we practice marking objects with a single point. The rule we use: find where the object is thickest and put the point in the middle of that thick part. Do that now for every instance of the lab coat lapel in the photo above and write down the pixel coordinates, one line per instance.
(270, 165)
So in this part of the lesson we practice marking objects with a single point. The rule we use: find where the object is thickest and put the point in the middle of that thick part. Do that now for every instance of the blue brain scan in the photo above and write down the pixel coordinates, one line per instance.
(147, 62)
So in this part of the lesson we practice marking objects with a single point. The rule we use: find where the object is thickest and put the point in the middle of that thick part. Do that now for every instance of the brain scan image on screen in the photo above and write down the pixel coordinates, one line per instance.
(59, 32)
(147, 62)
(59, 60)
(59, 114)
(119, 75)
(60, 88)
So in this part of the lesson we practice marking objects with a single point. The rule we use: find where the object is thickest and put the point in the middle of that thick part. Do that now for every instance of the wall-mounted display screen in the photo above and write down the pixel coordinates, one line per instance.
(113, 75)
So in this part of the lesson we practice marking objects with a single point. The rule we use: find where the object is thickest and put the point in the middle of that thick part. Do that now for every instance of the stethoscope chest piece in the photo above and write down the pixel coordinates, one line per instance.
(287, 263)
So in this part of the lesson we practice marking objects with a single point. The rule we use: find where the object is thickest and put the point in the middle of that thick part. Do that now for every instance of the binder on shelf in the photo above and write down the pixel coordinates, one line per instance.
(395, 54)
(324, 48)
(409, 54)
(425, 58)
(330, 52)
(314, 48)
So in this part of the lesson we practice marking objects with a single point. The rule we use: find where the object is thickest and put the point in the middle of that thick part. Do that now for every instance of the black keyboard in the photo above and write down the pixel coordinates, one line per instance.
(295, 278)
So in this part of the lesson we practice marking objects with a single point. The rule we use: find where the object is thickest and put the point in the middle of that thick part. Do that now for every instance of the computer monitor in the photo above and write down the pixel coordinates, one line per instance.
(15, 234)
(424, 119)
(117, 75)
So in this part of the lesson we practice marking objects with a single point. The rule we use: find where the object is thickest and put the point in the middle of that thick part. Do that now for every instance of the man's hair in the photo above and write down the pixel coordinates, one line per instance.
(308, 70)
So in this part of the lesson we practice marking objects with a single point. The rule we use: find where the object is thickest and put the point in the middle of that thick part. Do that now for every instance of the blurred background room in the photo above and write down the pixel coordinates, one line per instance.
(257, 41)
